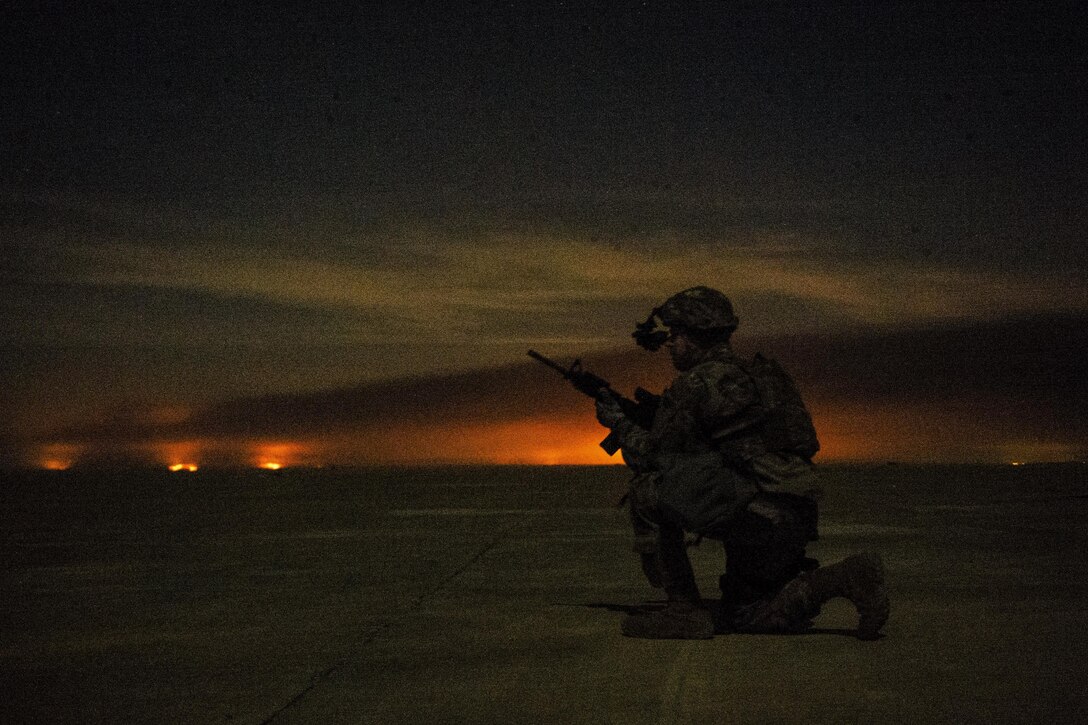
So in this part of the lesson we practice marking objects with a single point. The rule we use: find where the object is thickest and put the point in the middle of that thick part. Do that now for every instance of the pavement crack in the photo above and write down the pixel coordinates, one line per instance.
(674, 708)
(416, 603)
(314, 680)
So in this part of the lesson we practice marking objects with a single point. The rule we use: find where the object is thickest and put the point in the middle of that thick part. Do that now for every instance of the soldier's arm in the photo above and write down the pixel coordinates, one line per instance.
(633, 440)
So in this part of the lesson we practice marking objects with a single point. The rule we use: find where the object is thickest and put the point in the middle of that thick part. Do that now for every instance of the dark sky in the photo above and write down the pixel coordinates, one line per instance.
(201, 205)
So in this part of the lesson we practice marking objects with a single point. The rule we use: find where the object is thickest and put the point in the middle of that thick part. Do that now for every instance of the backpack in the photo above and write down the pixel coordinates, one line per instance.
(787, 427)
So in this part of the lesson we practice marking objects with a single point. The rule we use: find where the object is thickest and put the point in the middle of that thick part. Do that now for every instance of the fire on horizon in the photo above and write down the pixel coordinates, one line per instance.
(945, 430)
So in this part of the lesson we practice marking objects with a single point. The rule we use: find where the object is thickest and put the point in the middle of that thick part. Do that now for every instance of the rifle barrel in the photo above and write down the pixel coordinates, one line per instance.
(550, 363)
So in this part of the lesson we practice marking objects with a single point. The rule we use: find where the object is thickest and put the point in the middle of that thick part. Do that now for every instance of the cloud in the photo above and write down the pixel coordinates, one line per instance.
(960, 392)
(92, 314)
(85, 270)
(496, 287)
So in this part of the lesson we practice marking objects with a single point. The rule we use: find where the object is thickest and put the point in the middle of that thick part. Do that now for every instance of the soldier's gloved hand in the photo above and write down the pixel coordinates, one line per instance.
(609, 413)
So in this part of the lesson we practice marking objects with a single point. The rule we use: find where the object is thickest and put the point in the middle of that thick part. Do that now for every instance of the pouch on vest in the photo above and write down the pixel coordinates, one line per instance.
(700, 494)
(787, 426)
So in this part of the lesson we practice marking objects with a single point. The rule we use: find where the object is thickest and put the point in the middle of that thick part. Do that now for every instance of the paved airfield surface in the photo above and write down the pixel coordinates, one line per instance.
(495, 595)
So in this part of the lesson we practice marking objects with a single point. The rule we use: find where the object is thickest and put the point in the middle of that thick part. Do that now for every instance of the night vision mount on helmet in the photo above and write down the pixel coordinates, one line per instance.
(696, 308)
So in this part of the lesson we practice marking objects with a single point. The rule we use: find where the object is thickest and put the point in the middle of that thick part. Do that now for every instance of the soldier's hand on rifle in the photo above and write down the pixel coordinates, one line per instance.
(609, 413)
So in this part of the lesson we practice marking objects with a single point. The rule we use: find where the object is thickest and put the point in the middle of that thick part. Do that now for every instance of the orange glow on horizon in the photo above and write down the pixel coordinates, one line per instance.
(929, 432)
(848, 433)
(188, 467)
(272, 456)
(58, 456)
(524, 442)
(178, 455)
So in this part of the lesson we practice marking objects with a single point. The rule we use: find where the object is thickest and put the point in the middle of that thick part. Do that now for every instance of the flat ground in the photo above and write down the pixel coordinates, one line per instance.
(495, 595)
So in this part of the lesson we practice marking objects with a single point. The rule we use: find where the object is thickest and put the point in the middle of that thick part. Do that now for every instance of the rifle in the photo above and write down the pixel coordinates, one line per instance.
(641, 410)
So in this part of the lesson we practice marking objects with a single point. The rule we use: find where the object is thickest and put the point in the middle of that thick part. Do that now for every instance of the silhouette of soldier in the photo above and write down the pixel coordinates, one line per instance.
(729, 436)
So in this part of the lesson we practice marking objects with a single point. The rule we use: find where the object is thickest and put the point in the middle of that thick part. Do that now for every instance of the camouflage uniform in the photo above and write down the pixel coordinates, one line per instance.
(679, 457)
(704, 466)
(698, 469)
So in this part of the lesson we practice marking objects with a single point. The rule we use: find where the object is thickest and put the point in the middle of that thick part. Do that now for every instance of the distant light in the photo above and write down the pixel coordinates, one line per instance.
(272, 466)
(1017, 463)
(58, 456)
(190, 467)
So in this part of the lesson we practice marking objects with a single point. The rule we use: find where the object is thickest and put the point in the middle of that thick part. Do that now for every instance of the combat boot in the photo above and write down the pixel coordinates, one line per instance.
(684, 617)
(859, 578)
(678, 620)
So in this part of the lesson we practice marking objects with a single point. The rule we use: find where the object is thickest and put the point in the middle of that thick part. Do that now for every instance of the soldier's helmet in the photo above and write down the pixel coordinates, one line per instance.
(697, 308)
